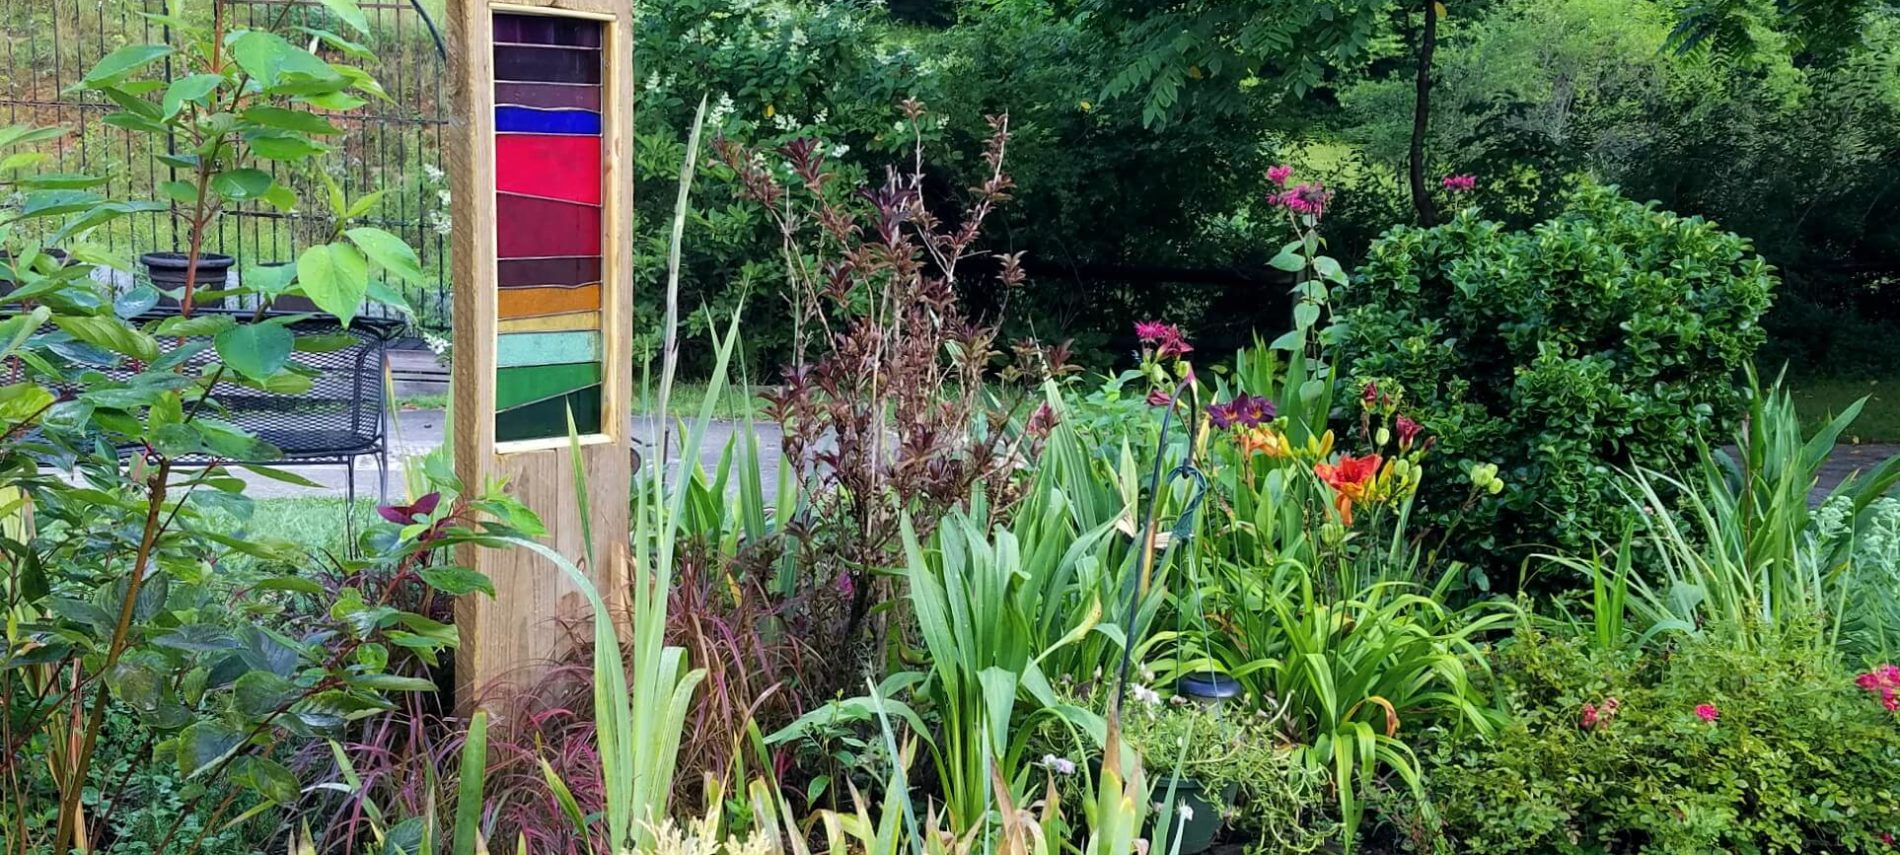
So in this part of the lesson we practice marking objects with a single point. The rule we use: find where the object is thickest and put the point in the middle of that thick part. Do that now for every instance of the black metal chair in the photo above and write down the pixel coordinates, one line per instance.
(340, 418)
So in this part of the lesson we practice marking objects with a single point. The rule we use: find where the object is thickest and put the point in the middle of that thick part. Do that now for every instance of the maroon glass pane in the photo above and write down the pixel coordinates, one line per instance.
(547, 30)
(535, 272)
(534, 63)
(549, 96)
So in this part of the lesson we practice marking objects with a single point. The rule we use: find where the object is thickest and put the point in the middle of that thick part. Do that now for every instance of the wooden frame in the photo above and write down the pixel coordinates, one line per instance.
(512, 639)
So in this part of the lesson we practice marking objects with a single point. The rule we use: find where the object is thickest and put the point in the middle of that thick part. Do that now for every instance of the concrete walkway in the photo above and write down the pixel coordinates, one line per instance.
(417, 432)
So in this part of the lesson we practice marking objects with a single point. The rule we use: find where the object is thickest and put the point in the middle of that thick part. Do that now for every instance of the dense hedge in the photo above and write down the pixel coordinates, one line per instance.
(1610, 335)
(1797, 758)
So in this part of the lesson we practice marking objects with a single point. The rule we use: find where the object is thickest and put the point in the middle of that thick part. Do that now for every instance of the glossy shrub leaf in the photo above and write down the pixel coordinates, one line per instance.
(124, 61)
(256, 350)
(186, 90)
(335, 276)
(349, 13)
(204, 744)
(197, 638)
(389, 252)
(260, 694)
(267, 778)
(110, 334)
(456, 581)
(242, 185)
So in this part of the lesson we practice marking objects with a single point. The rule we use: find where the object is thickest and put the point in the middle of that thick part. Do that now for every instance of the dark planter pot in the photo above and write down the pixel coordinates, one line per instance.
(1208, 688)
(167, 271)
(8, 283)
(1198, 831)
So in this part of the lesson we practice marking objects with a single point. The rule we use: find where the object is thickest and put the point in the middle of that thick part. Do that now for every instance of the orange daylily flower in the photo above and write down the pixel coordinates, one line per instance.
(1264, 440)
(1349, 478)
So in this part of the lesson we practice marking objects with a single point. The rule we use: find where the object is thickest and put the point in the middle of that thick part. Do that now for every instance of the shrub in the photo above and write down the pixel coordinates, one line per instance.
(1788, 755)
(1607, 336)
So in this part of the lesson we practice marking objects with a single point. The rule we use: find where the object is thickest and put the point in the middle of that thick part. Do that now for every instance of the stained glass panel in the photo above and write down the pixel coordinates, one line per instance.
(549, 189)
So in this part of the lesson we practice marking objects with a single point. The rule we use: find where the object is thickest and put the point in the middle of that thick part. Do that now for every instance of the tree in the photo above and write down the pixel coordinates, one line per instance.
(1209, 58)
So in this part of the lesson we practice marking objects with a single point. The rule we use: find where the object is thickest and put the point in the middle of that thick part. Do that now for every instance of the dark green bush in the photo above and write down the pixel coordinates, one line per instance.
(1799, 759)
(1609, 335)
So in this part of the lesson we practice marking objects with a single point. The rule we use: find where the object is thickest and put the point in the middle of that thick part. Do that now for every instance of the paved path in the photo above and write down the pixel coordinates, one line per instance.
(417, 432)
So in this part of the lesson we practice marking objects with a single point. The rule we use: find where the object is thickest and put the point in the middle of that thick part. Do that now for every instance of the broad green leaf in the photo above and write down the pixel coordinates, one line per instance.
(270, 60)
(284, 147)
(349, 13)
(456, 581)
(259, 694)
(124, 61)
(335, 276)
(267, 778)
(389, 252)
(256, 350)
(242, 185)
(392, 683)
(60, 181)
(282, 198)
(197, 638)
(290, 120)
(186, 90)
(182, 192)
(111, 334)
(204, 744)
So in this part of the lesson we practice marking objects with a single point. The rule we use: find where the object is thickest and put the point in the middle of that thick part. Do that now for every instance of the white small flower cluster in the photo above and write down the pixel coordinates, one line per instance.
(1145, 695)
(720, 110)
(432, 171)
(1058, 765)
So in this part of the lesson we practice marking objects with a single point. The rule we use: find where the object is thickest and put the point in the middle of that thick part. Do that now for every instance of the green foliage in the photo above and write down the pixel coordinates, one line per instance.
(1736, 551)
(134, 582)
(1199, 59)
(1607, 337)
(1798, 760)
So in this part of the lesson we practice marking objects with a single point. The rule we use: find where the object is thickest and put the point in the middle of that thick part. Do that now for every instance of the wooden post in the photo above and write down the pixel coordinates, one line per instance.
(540, 162)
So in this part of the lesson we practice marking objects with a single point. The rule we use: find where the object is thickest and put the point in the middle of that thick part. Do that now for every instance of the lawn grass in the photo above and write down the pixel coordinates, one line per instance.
(314, 522)
(1820, 399)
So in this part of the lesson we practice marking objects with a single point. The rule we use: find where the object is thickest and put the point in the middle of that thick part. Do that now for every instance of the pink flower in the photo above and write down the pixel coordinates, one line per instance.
(1158, 398)
(1707, 712)
(1590, 718)
(1885, 682)
(1167, 338)
(1304, 199)
(1279, 174)
(1460, 183)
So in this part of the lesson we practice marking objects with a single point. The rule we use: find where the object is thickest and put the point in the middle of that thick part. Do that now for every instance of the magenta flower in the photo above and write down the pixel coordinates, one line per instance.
(1460, 183)
(1158, 398)
(1174, 345)
(1885, 682)
(1304, 199)
(1590, 717)
(1279, 174)
(1151, 332)
(1707, 712)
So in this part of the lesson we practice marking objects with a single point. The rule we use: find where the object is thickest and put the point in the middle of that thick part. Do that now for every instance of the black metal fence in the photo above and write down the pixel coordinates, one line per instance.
(48, 45)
